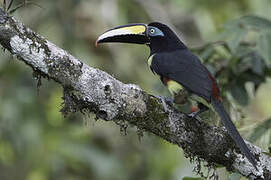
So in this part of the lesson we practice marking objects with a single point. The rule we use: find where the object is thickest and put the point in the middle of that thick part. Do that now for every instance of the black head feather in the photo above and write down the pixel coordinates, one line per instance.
(166, 43)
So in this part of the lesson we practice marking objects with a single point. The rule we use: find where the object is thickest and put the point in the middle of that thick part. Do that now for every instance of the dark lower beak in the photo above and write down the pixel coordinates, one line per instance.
(131, 33)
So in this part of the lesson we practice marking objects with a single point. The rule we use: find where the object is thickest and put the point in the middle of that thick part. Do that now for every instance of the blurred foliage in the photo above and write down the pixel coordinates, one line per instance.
(36, 143)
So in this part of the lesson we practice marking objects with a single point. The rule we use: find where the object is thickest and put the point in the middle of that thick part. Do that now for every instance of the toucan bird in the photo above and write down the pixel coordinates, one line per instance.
(179, 69)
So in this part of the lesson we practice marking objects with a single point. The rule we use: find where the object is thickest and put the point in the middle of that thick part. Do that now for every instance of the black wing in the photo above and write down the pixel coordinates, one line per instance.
(185, 68)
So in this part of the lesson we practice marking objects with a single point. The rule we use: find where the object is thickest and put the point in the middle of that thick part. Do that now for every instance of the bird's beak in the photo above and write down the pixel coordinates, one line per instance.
(131, 33)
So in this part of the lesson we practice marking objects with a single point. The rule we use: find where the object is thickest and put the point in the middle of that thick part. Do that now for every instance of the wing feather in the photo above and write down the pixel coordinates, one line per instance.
(185, 68)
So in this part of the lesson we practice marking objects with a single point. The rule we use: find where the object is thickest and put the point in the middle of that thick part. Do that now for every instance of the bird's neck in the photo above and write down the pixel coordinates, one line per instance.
(166, 45)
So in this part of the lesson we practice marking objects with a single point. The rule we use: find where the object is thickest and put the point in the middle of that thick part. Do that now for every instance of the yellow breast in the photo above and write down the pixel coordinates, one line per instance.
(149, 64)
(150, 60)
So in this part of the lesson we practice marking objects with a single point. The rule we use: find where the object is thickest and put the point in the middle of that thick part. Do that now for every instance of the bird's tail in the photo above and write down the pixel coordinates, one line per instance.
(226, 120)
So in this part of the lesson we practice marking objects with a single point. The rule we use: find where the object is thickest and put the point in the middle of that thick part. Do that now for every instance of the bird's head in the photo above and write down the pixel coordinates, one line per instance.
(159, 37)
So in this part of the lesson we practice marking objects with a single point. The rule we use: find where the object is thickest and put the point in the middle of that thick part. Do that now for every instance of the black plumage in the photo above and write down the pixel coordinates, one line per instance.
(172, 61)
(185, 68)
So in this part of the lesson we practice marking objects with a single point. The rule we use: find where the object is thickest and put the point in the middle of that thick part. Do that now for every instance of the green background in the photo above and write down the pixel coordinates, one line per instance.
(38, 143)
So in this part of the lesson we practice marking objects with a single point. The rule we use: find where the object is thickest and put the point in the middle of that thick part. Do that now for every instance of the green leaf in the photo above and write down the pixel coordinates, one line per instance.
(242, 51)
(208, 51)
(253, 22)
(256, 79)
(260, 130)
(234, 36)
(236, 31)
(257, 65)
(239, 93)
(256, 22)
(264, 47)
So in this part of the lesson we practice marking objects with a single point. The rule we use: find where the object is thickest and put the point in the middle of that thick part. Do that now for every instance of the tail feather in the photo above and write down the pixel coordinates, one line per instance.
(219, 108)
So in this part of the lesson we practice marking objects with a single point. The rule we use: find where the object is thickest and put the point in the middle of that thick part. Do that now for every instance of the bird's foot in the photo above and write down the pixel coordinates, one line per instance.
(202, 108)
(166, 101)
(193, 114)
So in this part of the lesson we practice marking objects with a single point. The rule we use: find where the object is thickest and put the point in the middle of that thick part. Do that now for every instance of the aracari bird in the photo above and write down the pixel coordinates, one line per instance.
(179, 69)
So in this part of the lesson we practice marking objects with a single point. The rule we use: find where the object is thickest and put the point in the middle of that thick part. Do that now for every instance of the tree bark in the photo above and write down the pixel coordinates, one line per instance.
(91, 90)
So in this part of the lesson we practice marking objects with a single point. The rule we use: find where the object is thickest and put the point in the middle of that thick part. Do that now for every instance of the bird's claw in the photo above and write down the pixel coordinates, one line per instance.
(202, 109)
(192, 114)
(166, 101)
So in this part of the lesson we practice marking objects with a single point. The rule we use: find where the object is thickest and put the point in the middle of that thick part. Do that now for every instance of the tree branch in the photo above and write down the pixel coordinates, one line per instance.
(87, 89)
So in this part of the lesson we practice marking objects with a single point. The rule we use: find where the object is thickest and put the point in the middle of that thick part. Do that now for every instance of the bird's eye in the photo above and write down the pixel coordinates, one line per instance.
(152, 31)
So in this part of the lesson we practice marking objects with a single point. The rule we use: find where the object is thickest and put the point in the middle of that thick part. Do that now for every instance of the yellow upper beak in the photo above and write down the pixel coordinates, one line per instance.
(131, 33)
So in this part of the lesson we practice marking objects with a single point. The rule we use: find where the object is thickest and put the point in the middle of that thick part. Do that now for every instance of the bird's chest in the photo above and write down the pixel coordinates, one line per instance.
(173, 86)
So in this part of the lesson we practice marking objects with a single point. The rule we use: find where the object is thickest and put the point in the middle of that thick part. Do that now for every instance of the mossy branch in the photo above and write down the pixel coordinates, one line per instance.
(91, 90)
